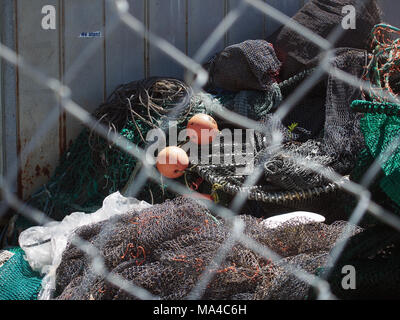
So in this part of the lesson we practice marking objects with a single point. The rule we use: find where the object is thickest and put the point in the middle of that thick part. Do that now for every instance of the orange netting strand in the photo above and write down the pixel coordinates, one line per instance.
(385, 61)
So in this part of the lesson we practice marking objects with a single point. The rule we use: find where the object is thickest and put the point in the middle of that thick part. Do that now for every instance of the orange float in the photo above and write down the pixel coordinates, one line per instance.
(172, 162)
(202, 123)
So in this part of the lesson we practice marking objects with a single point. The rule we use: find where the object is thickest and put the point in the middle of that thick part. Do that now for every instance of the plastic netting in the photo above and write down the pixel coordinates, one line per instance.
(322, 16)
(17, 280)
(93, 168)
(165, 249)
(375, 253)
(321, 128)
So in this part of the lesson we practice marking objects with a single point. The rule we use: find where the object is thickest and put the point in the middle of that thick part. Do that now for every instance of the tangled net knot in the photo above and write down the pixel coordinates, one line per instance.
(383, 70)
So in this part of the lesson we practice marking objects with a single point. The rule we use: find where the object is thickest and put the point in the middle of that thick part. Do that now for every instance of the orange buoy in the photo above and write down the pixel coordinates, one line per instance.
(172, 162)
(204, 127)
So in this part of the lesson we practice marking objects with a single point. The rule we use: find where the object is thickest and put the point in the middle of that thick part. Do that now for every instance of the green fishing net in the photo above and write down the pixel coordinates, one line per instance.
(375, 253)
(380, 124)
(381, 127)
(17, 280)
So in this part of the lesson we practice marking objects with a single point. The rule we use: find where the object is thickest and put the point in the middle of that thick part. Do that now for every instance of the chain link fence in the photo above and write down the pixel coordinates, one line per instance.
(196, 77)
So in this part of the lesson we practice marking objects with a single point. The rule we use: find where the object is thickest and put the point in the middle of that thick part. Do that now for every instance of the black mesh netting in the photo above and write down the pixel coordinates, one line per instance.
(165, 249)
(250, 65)
(322, 17)
(375, 256)
(321, 128)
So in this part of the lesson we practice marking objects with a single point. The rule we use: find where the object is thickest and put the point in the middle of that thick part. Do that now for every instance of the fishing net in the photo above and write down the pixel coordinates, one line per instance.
(250, 65)
(165, 249)
(322, 17)
(93, 168)
(381, 122)
(375, 255)
(17, 280)
(375, 252)
(321, 128)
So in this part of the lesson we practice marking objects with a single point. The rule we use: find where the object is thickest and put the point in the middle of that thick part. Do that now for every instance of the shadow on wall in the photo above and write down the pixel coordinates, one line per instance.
(391, 9)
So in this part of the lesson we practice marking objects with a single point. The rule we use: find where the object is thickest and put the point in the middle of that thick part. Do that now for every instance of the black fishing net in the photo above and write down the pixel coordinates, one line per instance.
(165, 249)
(375, 253)
(375, 256)
(322, 128)
(322, 17)
(342, 135)
(250, 65)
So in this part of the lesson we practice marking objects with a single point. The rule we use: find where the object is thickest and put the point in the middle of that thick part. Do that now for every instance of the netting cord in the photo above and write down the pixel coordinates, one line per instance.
(254, 193)
(388, 108)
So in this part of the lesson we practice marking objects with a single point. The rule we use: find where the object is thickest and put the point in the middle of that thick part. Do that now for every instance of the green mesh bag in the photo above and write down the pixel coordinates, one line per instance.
(17, 280)
(381, 127)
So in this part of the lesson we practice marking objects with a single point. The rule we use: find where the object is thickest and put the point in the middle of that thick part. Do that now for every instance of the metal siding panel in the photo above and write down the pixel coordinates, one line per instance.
(9, 90)
(198, 31)
(40, 48)
(124, 50)
(167, 19)
(88, 85)
(2, 137)
(249, 26)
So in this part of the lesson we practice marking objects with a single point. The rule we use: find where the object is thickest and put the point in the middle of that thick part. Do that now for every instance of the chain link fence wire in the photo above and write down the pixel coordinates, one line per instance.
(196, 78)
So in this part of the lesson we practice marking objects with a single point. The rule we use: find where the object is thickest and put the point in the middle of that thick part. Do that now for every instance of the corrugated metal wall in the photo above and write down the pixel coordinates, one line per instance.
(121, 57)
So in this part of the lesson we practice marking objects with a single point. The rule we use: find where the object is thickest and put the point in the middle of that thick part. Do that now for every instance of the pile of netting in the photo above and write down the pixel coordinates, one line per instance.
(321, 128)
(322, 17)
(93, 168)
(166, 249)
(375, 253)
(381, 121)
